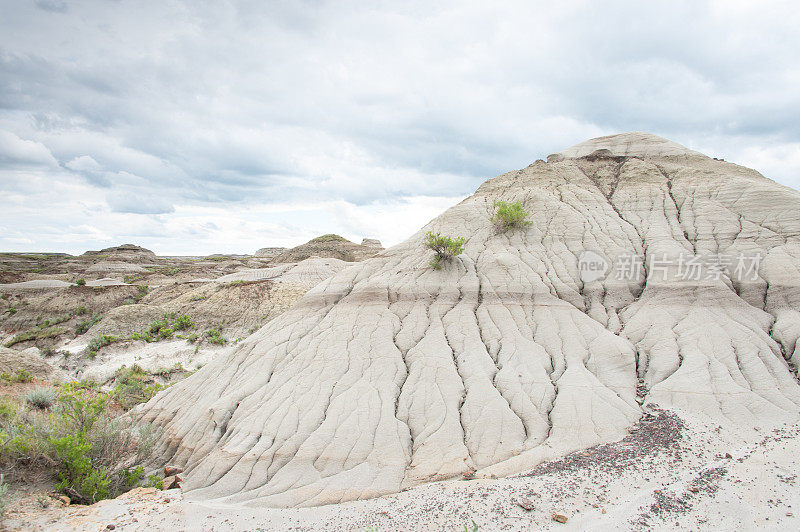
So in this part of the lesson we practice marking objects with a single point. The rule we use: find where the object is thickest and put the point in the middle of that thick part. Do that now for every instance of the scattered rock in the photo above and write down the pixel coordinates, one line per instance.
(526, 504)
(111, 527)
(728, 456)
(171, 471)
(61, 497)
(170, 482)
(558, 518)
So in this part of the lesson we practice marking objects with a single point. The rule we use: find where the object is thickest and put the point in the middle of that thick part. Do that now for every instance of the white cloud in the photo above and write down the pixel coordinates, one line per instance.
(84, 163)
(15, 151)
(207, 119)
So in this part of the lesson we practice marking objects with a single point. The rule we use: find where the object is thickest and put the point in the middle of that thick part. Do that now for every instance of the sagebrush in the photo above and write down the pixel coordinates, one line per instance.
(79, 441)
(510, 215)
(444, 247)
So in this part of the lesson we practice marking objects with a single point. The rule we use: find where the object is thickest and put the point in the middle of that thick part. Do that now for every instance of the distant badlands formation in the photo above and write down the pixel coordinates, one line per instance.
(390, 374)
(128, 287)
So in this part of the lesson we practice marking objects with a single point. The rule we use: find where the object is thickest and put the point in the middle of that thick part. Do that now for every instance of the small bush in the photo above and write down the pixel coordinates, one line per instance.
(78, 477)
(81, 282)
(214, 336)
(98, 343)
(140, 293)
(510, 215)
(191, 338)
(79, 442)
(444, 247)
(146, 336)
(134, 386)
(183, 323)
(23, 376)
(133, 476)
(87, 324)
(81, 311)
(154, 481)
(158, 325)
(41, 397)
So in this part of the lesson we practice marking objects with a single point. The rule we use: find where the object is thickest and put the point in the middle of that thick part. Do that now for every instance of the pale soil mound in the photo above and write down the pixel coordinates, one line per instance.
(124, 253)
(329, 246)
(35, 285)
(105, 267)
(391, 374)
(12, 361)
(268, 253)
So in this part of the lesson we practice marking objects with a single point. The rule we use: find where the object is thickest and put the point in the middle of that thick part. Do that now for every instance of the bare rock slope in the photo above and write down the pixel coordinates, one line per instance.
(531, 344)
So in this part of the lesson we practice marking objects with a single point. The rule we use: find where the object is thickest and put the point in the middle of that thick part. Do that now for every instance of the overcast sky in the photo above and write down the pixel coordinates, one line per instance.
(209, 126)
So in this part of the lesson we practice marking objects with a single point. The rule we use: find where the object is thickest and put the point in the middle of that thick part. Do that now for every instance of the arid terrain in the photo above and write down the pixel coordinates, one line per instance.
(608, 341)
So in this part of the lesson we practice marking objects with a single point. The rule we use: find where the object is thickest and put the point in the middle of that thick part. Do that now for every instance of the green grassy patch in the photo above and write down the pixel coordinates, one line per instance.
(36, 334)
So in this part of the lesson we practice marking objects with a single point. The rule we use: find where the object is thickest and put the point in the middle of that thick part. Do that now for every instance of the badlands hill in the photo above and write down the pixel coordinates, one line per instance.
(126, 289)
(332, 246)
(650, 275)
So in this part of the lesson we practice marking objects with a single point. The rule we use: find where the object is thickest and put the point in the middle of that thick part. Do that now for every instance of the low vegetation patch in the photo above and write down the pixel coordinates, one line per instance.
(140, 293)
(214, 336)
(85, 325)
(99, 342)
(22, 376)
(41, 397)
(165, 270)
(79, 442)
(510, 215)
(55, 321)
(328, 238)
(133, 386)
(165, 328)
(81, 282)
(444, 248)
(36, 334)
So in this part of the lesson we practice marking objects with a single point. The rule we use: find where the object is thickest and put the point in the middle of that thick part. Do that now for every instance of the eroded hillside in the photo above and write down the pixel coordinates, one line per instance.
(634, 284)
